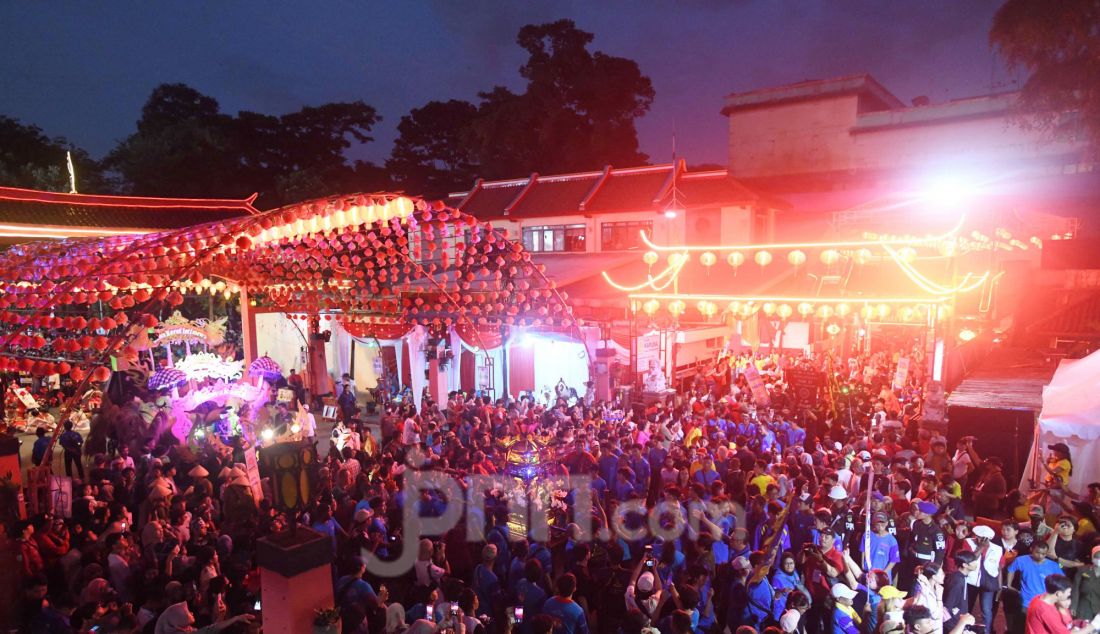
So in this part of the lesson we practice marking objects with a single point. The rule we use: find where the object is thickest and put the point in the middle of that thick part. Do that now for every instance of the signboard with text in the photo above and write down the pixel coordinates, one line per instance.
(805, 384)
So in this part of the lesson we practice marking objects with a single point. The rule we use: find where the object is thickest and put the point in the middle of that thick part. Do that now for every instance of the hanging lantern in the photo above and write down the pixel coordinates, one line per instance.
(747, 310)
(708, 259)
(907, 254)
(650, 258)
(768, 308)
(867, 312)
(862, 256)
(805, 309)
(907, 313)
(947, 248)
(707, 308)
(833, 330)
(734, 307)
(842, 310)
(796, 258)
(883, 311)
(677, 308)
(825, 311)
(650, 307)
(763, 258)
(735, 259)
(830, 257)
(784, 311)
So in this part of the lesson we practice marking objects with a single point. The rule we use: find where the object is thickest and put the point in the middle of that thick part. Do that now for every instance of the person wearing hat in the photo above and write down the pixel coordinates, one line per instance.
(927, 542)
(845, 618)
(1058, 465)
(880, 548)
(985, 581)
(892, 601)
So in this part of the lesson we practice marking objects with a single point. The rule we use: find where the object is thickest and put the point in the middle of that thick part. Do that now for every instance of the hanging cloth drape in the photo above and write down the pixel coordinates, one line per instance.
(417, 337)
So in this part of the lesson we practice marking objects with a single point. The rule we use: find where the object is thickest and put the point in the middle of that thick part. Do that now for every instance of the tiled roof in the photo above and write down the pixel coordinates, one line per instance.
(611, 190)
(83, 214)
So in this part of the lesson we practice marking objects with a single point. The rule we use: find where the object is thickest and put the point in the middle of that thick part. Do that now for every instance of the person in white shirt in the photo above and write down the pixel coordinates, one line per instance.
(986, 579)
(309, 424)
(410, 432)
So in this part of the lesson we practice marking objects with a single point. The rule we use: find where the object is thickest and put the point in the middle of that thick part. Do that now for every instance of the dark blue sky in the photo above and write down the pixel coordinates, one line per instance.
(83, 70)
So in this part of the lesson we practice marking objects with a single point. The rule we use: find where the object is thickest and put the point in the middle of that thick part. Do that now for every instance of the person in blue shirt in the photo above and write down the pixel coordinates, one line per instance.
(785, 582)
(883, 553)
(1033, 572)
(624, 487)
(761, 595)
(352, 589)
(569, 616)
(708, 475)
(608, 463)
(528, 592)
(486, 583)
(845, 618)
(38, 452)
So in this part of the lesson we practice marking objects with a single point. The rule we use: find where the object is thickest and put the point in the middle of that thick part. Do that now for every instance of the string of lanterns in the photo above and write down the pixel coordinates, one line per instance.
(888, 311)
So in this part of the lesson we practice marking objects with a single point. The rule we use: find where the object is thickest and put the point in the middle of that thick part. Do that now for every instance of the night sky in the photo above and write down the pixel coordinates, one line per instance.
(83, 70)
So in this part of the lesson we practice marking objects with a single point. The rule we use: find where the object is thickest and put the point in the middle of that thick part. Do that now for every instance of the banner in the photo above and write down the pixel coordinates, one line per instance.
(902, 374)
(805, 383)
(756, 384)
(252, 470)
(24, 397)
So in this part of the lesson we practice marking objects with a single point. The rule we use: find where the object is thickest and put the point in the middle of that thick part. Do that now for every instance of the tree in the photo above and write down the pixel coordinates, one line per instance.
(1058, 43)
(30, 159)
(577, 112)
(185, 146)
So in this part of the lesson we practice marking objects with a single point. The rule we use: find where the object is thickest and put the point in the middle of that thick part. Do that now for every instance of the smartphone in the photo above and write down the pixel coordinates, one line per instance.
(454, 609)
(519, 614)
(256, 605)
(431, 613)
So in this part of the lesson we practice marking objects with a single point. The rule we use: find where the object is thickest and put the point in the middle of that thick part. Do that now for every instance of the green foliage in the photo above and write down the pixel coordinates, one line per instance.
(30, 159)
(1058, 43)
(185, 146)
(576, 113)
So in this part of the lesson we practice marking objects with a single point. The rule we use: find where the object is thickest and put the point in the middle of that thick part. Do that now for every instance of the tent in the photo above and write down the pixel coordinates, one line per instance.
(1070, 414)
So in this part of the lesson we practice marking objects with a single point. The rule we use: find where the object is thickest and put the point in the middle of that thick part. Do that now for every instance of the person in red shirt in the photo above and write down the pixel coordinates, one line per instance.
(29, 555)
(1049, 613)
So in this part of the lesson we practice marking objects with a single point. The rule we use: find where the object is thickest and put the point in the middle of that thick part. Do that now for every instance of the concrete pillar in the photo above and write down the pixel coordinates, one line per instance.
(296, 579)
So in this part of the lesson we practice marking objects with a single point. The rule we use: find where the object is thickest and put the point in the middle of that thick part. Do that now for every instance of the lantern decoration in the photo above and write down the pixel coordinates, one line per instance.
(707, 308)
(862, 256)
(784, 311)
(824, 311)
(650, 257)
(907, 313)
(265, 368)
(768, 308)
(832, 329)
(748, 309)
(867, 312)
(966, 334)
(735, 260)
(842, 309)
(907, 254)
(883, 311)
(677, 308)
(650, 307)
(763, 258)
(805, 309)
(708, 259)
(830, 257)
(167, 379)
(796, 258)
(734, 307)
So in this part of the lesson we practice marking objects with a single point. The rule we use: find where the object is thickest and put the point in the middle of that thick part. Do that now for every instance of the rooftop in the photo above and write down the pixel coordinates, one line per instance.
(873, 96)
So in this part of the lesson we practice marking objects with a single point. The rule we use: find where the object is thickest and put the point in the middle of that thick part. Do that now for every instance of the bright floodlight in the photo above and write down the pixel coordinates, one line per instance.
(267, 433)
(670, 213)
(949, 191)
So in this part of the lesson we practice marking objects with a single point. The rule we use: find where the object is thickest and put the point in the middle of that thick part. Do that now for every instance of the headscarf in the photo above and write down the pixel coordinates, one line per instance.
(395, 619)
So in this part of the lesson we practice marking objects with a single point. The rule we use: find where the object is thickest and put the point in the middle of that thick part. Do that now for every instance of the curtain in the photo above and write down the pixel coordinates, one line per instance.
(403, 360)
(416, 338)
(468, 371)
(521, 369)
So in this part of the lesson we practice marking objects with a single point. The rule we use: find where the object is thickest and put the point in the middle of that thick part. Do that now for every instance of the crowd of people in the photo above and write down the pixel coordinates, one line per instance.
(843, 515)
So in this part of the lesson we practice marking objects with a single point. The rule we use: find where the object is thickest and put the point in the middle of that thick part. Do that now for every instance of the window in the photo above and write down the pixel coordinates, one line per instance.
(554, 238)
(620, 236)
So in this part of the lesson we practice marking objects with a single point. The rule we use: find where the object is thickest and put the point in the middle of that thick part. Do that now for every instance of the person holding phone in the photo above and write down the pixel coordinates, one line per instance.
(645, 591)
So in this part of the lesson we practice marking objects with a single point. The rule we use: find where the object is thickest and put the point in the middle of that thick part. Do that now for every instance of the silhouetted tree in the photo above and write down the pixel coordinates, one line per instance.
(30, 159)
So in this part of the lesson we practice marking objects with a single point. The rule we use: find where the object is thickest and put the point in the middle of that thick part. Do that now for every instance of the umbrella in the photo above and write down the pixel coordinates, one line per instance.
(265, 367)
(166, 379)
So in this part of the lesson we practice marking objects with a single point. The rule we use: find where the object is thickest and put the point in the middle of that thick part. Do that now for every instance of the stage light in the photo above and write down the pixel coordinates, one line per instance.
(267, 434)
(670, 213)
(295, 428)
(200, 433)
(949, 191)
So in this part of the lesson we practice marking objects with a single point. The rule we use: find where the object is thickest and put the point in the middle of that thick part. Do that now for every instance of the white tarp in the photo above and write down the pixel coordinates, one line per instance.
(1071, 414)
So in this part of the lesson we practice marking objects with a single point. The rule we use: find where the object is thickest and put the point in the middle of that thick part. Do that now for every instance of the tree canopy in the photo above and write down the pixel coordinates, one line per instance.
(577, 113)
(185, 146)
(30, 159)
(1058, 43)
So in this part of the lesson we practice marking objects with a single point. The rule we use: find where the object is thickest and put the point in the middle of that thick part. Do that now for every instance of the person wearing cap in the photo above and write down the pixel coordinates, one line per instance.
(985, 581)
(880, 548)
(1086, 589)
(1058, 465)
(891, 603)
(845, 618)
(927, 542)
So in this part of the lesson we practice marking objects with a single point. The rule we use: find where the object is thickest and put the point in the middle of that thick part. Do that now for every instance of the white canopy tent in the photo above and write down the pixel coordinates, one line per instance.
(1070, 414)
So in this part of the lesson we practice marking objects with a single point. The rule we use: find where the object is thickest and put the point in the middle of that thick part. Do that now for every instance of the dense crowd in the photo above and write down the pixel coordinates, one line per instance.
(843, 514)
